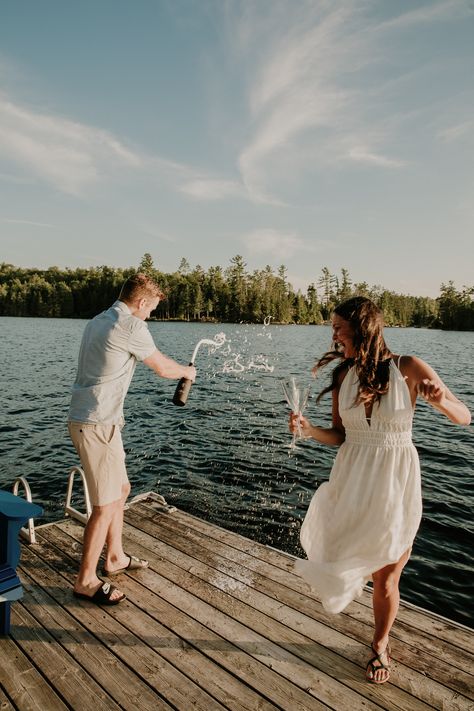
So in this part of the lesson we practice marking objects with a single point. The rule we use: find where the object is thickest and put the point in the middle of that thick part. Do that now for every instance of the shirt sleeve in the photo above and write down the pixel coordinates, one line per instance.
(141, 343)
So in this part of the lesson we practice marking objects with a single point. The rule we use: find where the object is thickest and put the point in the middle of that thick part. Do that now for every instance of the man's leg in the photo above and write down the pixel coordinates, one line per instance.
(116, 559)
(95, 535)
(115, 556)
(100, 449)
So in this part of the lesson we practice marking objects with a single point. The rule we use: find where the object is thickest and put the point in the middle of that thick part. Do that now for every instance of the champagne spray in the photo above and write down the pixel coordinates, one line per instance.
(184, 386)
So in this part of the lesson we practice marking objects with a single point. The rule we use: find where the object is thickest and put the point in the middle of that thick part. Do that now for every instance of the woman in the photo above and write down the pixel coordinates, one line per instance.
(362, 522)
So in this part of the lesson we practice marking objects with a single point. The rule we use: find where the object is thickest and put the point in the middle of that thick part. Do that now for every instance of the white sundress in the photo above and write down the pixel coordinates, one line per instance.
(367, 515)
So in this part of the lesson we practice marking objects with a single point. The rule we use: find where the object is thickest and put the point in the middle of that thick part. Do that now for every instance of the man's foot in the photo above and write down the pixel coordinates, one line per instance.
(129, 563)
(378, 667)
(104, 594)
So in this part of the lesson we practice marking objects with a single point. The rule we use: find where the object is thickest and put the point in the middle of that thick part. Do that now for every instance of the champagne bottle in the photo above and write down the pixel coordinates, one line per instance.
(182, 391)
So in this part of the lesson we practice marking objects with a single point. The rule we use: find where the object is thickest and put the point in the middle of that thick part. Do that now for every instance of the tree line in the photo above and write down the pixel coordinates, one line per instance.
(232, 294)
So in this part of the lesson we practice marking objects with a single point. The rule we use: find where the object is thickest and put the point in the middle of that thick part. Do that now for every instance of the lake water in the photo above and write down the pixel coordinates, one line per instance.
(224, 457)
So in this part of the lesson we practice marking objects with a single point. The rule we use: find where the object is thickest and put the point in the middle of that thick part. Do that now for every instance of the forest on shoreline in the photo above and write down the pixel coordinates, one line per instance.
(230, 294)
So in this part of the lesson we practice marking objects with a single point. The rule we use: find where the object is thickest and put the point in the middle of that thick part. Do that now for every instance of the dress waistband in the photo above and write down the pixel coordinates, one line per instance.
(374, 438)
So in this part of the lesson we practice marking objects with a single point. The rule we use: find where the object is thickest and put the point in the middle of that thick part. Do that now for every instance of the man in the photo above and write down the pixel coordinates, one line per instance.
(112, 344)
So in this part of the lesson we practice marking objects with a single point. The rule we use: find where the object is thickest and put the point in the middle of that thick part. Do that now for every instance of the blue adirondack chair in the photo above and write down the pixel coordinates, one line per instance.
(14, 512)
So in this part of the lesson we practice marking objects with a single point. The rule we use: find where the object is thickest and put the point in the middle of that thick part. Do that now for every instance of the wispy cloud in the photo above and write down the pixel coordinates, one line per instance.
(432, 12)
(314, 83)
(311, 79)
(361, 154)
(151, 231)
(212, 189)
(15, 179)
(27, 222)
(300, 90)
(294, 90)
(457, 132)
(68, 155)
(74, 157)
(268, 241)
(280, 245)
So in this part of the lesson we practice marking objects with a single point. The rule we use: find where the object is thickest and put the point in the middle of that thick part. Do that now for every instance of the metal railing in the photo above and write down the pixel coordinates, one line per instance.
(69, 510)
(26, 532)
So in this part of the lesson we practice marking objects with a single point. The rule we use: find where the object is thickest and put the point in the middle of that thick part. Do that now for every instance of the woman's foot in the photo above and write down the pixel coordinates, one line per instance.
(378, 666)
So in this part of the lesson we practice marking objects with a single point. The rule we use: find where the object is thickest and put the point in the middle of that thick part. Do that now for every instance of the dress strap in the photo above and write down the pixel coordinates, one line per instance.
(398, 362)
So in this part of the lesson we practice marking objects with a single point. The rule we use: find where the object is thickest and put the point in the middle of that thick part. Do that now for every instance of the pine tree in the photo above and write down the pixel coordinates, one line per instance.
(146, 266)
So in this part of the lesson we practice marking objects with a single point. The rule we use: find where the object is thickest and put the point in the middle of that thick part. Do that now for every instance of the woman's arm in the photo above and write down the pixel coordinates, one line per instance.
(424, 382)
(334, 435)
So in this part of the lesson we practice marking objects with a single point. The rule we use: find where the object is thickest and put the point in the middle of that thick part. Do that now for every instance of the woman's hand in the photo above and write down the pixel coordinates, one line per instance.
(300, 426)
(422, 380)
(433, 391)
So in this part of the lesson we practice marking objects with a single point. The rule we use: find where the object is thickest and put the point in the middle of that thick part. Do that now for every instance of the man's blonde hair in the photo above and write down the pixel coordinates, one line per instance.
(140, 286)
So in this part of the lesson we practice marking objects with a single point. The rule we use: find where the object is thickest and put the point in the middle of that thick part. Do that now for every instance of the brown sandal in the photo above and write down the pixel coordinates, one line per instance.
(133, 564)
(376, 664)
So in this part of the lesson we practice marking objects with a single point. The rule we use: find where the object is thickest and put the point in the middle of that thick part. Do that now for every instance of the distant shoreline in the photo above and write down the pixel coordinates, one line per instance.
(327, 324)
(230, 295)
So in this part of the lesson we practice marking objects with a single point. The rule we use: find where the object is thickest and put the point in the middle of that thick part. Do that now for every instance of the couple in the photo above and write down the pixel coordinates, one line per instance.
(360, 525)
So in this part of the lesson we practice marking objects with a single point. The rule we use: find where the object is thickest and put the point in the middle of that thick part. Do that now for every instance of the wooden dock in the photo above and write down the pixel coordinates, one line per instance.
(216, 622)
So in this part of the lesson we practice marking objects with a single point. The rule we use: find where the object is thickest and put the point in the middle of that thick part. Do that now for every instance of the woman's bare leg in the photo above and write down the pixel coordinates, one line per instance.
(385, 600)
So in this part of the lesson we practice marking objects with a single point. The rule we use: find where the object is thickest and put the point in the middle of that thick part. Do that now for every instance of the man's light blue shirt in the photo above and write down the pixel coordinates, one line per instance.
(112, 344)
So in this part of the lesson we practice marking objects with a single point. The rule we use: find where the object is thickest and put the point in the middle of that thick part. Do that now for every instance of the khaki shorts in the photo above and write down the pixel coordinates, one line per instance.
(102, 456)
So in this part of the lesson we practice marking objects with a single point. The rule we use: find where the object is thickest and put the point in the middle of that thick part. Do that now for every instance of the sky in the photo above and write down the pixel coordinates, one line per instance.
(309, 133)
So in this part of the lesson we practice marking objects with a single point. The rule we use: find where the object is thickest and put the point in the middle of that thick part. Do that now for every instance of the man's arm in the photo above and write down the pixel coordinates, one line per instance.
(169, 368)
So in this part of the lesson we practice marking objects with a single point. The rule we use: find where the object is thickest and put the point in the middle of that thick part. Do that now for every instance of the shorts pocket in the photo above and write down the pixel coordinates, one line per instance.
(105, 433)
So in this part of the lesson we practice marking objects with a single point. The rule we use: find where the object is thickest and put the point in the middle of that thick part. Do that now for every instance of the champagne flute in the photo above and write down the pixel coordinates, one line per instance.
(297, 398)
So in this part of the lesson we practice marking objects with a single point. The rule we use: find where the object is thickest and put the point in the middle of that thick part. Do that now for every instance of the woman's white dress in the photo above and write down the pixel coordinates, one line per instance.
(367, 515)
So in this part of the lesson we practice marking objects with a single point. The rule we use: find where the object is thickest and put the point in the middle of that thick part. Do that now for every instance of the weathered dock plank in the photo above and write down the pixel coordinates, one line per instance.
(5, 703)
(201, 637)
(318, 643)
(434, 625)
(226, 594)
(23, 683)
(60, 669)
(51, 611)
(172, 646)
(216, 622)
(416, 668)
(141, 653)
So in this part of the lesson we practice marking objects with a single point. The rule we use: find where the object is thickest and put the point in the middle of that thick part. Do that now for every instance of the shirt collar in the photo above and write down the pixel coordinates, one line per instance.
(121, 306)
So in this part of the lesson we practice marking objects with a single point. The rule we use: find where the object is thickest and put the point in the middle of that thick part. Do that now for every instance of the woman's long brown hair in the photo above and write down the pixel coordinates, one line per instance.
(372, 359)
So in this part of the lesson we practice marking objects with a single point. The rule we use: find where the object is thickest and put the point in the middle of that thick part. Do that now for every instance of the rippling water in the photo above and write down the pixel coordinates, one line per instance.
(225, 457)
